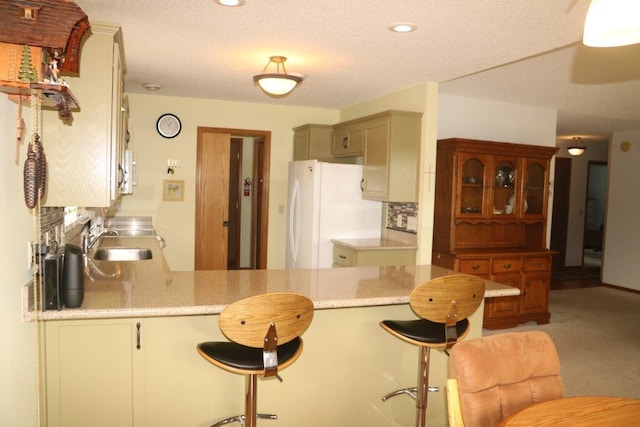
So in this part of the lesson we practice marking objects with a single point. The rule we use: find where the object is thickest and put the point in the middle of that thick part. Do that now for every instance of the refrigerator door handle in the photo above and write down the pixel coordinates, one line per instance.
(292, 217)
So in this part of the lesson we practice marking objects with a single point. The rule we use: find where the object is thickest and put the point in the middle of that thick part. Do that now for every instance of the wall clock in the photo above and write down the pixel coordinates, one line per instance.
(168, 125)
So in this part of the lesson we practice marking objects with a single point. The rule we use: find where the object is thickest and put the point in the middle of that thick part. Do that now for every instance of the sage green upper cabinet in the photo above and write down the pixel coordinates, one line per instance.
(312, 141)
(392, 156)
(85, 157)
(348, 139)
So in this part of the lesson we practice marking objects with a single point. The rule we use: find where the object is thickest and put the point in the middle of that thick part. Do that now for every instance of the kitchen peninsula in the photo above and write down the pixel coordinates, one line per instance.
(128, 357)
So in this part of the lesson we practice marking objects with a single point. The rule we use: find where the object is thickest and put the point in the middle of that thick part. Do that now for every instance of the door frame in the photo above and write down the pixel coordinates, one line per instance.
(260, 187)
(590, 164)
(560, 213)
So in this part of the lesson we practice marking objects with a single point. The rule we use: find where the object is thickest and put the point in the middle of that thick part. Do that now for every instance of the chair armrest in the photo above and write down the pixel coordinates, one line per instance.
(453, 404)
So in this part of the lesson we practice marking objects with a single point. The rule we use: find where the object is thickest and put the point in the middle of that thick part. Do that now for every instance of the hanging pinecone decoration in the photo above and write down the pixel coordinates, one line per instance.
(31, 178)
(42, 167)
(35, 173)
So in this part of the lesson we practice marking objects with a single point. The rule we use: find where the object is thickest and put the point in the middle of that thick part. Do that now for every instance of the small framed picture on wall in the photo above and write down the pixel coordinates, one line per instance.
(172, 190)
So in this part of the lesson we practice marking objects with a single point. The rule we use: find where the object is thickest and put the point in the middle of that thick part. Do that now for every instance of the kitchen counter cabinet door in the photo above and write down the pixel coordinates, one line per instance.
(94, 373)
(181, 387)
(85, 157)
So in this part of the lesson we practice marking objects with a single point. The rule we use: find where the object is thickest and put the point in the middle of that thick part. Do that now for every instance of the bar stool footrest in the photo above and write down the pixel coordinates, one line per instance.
(410, 391)
(240, 419)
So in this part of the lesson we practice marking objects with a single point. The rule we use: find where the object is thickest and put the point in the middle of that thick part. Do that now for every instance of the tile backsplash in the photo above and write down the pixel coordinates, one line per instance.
(52, 225)
(403, 217)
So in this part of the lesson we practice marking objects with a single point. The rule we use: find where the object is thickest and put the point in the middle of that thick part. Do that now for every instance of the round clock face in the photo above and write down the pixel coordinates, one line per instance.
(168, 125)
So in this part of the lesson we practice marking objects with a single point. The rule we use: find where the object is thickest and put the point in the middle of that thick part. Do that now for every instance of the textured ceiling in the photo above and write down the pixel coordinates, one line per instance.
(519, 51)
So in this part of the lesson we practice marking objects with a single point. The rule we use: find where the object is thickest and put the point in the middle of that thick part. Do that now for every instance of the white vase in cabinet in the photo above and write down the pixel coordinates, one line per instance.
(85, 157)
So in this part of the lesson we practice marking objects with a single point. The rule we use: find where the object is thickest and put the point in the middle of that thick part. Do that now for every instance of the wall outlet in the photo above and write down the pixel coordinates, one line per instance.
(412, 223)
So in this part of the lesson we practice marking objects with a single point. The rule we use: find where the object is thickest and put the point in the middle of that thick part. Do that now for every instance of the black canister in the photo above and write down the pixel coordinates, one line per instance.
(73, 277)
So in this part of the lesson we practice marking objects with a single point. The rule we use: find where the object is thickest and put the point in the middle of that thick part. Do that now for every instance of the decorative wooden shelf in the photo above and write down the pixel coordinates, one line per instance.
(49, 91)
(55, 96)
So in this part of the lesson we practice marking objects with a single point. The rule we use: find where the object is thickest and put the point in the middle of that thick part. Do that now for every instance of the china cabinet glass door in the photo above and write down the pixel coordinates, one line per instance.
(535, 185)
(505, 196)
(472, 184)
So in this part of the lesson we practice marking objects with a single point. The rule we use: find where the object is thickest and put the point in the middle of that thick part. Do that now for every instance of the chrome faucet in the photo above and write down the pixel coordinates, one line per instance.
(88, 241)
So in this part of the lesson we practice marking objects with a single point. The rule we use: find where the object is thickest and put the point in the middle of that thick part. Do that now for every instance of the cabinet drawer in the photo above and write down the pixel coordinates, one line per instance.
(474, 266)
(502, 265)
(537, 264)
(344, 257)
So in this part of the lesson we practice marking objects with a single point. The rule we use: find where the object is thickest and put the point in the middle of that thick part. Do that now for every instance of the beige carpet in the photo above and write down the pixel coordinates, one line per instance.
(596, 332)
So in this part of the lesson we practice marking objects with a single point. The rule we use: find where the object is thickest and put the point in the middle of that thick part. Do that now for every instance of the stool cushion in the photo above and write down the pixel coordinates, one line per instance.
(247, 358)
(424, 330)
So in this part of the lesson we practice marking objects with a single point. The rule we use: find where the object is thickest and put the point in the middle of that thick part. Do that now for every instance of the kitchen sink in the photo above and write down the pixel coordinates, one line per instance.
(122, 254)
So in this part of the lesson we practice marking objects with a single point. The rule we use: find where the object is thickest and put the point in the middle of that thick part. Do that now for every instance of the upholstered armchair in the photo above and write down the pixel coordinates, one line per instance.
(498, 375)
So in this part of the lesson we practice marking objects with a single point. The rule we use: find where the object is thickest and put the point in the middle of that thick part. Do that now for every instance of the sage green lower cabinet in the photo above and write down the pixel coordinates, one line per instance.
(97, 377)
(348, 257)
(94, 373)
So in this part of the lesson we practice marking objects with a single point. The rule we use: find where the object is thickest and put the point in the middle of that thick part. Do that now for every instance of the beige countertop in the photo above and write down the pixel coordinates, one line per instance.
(373, 244)
(149, 289)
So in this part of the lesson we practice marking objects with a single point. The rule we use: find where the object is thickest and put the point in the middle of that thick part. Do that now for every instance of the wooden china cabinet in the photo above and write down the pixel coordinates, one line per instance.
(491, 221)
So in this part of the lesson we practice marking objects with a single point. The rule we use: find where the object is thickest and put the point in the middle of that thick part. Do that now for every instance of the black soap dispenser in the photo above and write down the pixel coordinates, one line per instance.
(73, 277)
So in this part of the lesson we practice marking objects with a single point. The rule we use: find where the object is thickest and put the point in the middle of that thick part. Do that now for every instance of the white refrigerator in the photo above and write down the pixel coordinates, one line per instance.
(325, 202)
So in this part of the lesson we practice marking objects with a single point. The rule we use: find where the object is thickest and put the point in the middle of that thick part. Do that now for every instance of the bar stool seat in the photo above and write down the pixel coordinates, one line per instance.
(264, 333)
(242, 358)
(442, 305)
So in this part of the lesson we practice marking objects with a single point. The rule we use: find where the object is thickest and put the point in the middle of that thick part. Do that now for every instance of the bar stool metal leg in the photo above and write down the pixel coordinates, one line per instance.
(251, 400)
(419, 393)
(423, 387)
(250, 416)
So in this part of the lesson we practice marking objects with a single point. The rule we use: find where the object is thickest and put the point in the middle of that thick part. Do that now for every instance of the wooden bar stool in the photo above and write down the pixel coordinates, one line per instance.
(443, 305)
(264, 333)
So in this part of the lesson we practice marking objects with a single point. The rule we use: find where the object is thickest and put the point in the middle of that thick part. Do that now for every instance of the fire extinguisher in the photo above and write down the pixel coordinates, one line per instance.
(247, 187)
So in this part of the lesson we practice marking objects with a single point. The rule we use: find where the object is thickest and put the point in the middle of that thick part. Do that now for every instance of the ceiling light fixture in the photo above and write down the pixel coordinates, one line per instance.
(577, 147)
(230, 3)
(278, 84)
(403, 27)
(612, 23)
(151, 86)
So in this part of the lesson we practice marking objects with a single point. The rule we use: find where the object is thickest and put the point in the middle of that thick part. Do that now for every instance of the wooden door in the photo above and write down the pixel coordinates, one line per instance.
(235, 187)
(260, 202)
(212, 200)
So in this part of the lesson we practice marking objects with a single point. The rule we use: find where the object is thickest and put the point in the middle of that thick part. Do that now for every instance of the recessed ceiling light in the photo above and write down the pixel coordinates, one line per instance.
(151, 86)
(403, 27)
(230, 3)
